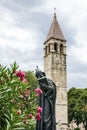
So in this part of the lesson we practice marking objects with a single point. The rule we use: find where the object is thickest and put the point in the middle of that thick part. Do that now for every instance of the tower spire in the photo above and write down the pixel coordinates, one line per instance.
(55, 31)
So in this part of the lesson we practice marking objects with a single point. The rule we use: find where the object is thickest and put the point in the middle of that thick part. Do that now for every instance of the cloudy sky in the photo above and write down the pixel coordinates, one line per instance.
(24, 25)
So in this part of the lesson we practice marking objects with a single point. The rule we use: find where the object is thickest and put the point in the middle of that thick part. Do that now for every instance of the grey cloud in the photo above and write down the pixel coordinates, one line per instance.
(76, 72)
(23, 4)
(9, 55)
(21, 11)
(75, 66)
(69, 30)
(78, 80)
(25, 18)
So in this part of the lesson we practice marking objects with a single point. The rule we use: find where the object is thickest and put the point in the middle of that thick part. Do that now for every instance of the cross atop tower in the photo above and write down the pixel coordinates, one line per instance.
(54, 11)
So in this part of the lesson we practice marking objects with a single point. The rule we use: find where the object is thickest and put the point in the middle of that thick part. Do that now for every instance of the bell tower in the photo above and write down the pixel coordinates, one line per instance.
(55, 69)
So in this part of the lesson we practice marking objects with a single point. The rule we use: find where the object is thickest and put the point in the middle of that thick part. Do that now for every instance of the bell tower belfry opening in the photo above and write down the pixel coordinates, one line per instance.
(55, 69)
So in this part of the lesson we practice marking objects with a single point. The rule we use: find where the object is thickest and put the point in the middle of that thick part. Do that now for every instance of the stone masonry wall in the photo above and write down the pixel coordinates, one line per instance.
(55, 69)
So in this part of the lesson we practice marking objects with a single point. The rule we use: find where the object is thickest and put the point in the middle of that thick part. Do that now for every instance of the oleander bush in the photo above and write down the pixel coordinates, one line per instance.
(18, 99)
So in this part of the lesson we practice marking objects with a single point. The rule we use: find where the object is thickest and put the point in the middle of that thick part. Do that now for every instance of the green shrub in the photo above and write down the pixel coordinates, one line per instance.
(18, 101)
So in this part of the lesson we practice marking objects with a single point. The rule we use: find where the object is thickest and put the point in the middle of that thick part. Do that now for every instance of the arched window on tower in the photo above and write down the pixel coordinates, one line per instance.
(55, 47)
(61, 48)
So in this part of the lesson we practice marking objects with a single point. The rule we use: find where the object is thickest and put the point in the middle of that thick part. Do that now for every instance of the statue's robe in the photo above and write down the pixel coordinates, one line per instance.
(47, 102)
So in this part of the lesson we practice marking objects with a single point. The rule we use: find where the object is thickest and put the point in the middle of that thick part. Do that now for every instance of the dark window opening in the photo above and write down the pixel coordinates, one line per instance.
(55, 47)
(49, 47)
(61, 48)
(65, 60)
(46, 51)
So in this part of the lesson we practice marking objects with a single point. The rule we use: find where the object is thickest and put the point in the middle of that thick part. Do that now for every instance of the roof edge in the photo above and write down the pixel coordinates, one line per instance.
(64, 40)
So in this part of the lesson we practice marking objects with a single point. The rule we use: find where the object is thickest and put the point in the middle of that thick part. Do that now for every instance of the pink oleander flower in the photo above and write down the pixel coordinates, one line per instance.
(39, 109)
(30, 115)
(24, 80)
(19, 112)
(38, 117)
(38, 91)
(20, 74)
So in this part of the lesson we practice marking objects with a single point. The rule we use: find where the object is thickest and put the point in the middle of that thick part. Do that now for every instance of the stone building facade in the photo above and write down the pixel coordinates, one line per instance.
(55, 69)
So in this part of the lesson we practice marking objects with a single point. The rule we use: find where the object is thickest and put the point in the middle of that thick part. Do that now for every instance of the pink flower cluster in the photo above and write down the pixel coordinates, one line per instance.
(25, 118)
(38, 115)
(38, 91)
(21, 74)
(39, 109)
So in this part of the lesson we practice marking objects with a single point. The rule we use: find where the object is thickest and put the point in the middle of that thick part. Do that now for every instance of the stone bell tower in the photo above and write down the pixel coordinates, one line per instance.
(55, 69)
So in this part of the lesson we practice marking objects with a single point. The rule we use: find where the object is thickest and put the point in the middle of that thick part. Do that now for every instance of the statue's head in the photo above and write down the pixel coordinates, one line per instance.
(39, 74)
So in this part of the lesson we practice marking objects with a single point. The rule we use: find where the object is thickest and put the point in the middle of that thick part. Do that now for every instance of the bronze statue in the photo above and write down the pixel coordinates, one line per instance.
(47, 102)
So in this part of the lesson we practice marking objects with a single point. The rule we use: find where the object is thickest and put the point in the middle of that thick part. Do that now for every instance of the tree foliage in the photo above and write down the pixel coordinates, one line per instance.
(77, 106)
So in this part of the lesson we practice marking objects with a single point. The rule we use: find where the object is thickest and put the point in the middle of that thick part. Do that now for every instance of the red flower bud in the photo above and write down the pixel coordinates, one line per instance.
(25, 122)
(39, 109)
(19, 112)
(30, 115)
(38, 117)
